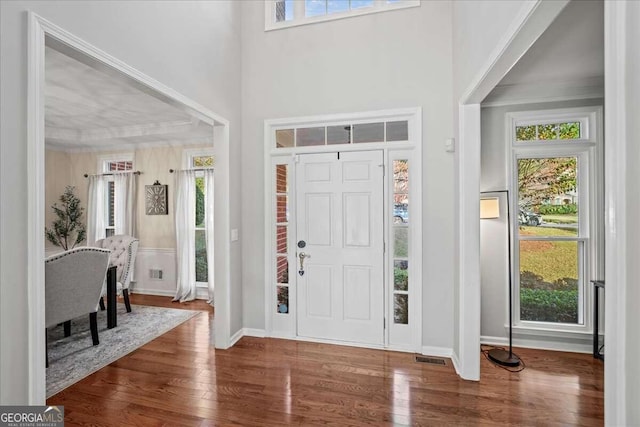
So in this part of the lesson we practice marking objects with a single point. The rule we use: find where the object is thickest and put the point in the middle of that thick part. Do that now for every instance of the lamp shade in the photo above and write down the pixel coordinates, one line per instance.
(489, 208)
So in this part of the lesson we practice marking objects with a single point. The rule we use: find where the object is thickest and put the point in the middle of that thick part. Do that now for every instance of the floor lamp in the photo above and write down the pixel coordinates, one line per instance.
(490, 209)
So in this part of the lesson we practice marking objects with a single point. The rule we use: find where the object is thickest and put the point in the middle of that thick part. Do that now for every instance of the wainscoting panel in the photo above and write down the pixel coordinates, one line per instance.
(148, 279)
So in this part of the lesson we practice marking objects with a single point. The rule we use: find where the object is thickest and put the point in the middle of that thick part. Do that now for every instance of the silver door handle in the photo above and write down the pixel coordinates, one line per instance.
(301, 257)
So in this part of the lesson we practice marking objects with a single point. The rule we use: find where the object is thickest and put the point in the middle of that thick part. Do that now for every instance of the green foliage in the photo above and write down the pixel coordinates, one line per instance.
(68, 229)
(539, 180)
(400, 279)
(543, 305)
(569, 208)
(530, 280)
(199, 201)
(201, 257)
(567, 130)
(542, 301)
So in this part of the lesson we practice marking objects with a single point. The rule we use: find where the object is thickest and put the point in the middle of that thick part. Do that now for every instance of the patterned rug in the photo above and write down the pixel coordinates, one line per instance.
(73, 358)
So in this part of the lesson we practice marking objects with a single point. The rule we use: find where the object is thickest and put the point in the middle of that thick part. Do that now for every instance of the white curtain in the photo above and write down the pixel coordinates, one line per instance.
(125, 197)
(208, 201)
(185, 213)
(95, 209)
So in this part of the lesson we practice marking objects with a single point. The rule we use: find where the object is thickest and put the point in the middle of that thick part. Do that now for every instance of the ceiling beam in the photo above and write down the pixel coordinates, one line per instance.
(191, 128)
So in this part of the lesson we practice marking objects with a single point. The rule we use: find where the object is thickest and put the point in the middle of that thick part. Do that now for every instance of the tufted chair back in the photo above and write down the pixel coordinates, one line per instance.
(72, 282)
(123, 255)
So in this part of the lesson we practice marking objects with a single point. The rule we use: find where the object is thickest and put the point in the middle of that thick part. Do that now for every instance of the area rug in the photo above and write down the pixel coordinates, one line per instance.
(73, 358)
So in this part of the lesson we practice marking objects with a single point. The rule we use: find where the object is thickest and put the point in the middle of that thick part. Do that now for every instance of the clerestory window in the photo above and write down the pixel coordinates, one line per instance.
(288, 13)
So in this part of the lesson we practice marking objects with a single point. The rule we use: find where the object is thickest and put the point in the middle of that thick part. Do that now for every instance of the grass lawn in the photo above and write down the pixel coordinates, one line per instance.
(561, 219)
(551, 260)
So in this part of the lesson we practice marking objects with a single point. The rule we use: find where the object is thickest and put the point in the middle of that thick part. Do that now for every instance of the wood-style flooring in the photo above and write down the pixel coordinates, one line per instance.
(180, 379)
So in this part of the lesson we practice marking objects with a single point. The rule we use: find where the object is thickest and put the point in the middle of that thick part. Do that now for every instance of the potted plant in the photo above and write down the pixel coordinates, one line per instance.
(67, 230)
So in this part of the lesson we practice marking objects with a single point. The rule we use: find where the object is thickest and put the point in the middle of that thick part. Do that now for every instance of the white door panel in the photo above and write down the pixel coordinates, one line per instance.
(340, 218)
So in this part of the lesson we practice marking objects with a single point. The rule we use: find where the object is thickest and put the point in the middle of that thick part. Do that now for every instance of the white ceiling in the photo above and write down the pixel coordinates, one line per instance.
(87, 109)
(570, 51)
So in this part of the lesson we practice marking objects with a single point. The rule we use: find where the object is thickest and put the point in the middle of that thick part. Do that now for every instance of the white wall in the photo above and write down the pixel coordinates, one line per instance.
(495, 158)
(191, 47)
(385, 60)
(632, 338)
(478, 27)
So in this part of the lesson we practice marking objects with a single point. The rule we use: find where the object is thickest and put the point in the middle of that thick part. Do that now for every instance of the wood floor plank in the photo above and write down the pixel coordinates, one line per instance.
(179, 379)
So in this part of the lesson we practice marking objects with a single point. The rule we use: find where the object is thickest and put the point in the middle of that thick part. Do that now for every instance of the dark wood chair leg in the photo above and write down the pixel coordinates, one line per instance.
(93, 322)
(125, 294)
(46, 348)
(67, 328)
(102, 307)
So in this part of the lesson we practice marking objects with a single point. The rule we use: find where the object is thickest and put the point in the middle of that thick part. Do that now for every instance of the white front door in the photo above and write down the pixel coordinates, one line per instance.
(340, 228)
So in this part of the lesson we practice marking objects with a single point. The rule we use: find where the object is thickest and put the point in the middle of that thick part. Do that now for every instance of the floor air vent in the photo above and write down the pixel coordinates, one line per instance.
(431, 360)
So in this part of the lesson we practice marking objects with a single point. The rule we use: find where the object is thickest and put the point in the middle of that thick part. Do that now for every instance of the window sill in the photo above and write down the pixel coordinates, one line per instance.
(531, 331)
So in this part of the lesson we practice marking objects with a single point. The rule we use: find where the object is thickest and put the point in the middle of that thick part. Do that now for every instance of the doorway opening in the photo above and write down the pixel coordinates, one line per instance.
(42, 35)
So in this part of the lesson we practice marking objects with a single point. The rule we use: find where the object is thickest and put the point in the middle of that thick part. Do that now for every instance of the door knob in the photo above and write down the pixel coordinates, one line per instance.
(301, 257)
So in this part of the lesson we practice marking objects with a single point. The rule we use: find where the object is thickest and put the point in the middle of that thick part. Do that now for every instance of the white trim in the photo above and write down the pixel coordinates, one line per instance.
(615, 62)
(456, 363)
(340, 118)
(588, 152)
(468, 249)
(38, 28)
(35, 215)
(533, 19)
(114, 157)
(53, 146)
(299, 18)
(189, 153)
(586, 348)
(274, 327)
(236, 337)
(437, 351)
(146, 291)
(542, 331)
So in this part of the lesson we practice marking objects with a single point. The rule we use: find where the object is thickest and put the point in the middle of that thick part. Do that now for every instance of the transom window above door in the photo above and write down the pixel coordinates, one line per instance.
(340, 134)
(288, 13)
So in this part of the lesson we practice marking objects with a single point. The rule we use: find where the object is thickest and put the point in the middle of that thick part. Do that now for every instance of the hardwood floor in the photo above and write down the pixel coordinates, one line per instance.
(180, 379)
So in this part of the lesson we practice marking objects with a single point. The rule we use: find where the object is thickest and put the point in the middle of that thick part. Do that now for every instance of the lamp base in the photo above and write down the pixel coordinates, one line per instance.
(502, 357)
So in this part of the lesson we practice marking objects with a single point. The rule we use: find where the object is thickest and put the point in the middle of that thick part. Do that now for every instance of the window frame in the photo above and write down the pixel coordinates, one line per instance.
(397, 337)
(299, 17)
(590, 246)
(188, 156)
(103, 168)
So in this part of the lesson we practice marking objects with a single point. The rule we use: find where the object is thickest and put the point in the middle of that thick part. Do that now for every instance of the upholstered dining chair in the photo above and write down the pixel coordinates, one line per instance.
(73, 283)
(123, 255)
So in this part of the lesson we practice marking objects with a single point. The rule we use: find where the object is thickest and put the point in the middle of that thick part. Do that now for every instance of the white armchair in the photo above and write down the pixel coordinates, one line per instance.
(123, 255)
(73, 282)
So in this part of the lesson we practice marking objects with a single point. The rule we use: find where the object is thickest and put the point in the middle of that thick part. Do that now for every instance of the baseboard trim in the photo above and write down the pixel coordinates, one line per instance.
(157, 292)
(236, 337)
(437, 351)
(539, 345)
(456, 362)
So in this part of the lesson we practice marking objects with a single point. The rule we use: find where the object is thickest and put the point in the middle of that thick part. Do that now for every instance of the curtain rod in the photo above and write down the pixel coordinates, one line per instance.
(86, 175)
(185, 170)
